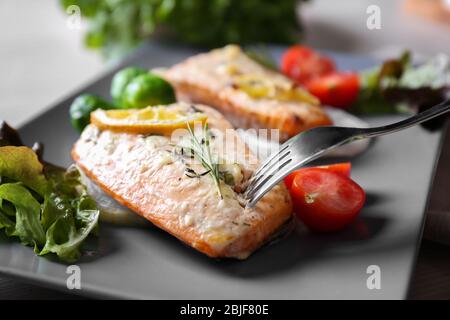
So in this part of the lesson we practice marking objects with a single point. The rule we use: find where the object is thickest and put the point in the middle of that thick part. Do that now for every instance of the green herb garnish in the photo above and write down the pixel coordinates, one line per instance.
(202, 152)
(261, 55)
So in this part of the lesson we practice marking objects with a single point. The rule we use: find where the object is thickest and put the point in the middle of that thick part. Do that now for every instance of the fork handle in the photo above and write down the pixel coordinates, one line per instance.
(428, 114)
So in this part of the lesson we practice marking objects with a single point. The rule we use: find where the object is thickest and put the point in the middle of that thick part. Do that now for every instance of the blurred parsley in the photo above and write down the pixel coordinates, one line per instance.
(118, 26)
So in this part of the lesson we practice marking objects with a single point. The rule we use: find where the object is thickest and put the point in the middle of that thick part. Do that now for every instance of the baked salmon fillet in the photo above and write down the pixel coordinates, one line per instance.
(247, 93)
(154, 177)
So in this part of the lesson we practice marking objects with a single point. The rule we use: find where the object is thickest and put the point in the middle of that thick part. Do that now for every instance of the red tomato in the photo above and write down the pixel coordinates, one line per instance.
(325, 200)
(343, 168)
(303, 64)
(338, 89)
(290, 178)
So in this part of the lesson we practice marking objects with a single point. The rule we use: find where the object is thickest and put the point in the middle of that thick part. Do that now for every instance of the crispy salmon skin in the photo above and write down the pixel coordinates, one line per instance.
(148, 174)
(247, 93)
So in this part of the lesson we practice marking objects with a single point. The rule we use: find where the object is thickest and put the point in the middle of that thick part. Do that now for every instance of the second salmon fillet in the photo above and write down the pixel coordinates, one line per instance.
(247, 93)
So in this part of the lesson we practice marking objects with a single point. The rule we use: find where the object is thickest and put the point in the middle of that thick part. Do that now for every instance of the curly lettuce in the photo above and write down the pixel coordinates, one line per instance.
(398, 85)
(44, 206)
(22, 164)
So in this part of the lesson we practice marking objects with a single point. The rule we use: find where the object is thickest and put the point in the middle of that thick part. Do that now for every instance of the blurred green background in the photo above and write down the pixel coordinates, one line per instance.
(117, 26)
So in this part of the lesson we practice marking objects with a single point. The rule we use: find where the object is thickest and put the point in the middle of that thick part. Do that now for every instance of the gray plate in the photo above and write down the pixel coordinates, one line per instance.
(148, 263)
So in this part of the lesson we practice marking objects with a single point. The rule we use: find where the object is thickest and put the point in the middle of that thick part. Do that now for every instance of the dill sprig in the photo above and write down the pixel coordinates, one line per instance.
(202, 151)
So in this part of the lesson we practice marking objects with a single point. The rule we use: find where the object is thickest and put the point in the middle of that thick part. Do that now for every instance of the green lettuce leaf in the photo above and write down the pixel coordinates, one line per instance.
(401, 86)
(27, 214)
(6, 223)
(22, 164)
(71, 228)
(45, 206)
(69, 214)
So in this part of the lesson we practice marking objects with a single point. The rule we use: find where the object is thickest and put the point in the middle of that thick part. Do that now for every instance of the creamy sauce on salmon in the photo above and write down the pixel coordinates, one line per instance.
(147, 174)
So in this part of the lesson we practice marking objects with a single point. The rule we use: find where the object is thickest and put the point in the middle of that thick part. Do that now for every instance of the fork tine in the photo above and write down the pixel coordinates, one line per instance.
(259, 191)
(265, 178)
(268, 168)
(269, 160)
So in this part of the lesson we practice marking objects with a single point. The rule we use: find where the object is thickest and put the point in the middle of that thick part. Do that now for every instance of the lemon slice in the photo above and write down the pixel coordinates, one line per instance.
(260, 87)
(256, 86)
(297, 94)
(160, 120)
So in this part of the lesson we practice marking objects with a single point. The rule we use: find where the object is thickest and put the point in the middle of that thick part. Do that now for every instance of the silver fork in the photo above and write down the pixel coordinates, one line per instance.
(311, 144)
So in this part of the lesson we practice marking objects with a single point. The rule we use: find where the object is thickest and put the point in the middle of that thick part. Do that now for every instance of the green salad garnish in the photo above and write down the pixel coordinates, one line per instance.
(44, 206)
(398, 85)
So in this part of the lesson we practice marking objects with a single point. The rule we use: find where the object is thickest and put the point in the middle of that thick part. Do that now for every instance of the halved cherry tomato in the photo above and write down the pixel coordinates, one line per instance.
(290, 178)
(325, 200)
(303, 64)
(338, 89)
(343, 168)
